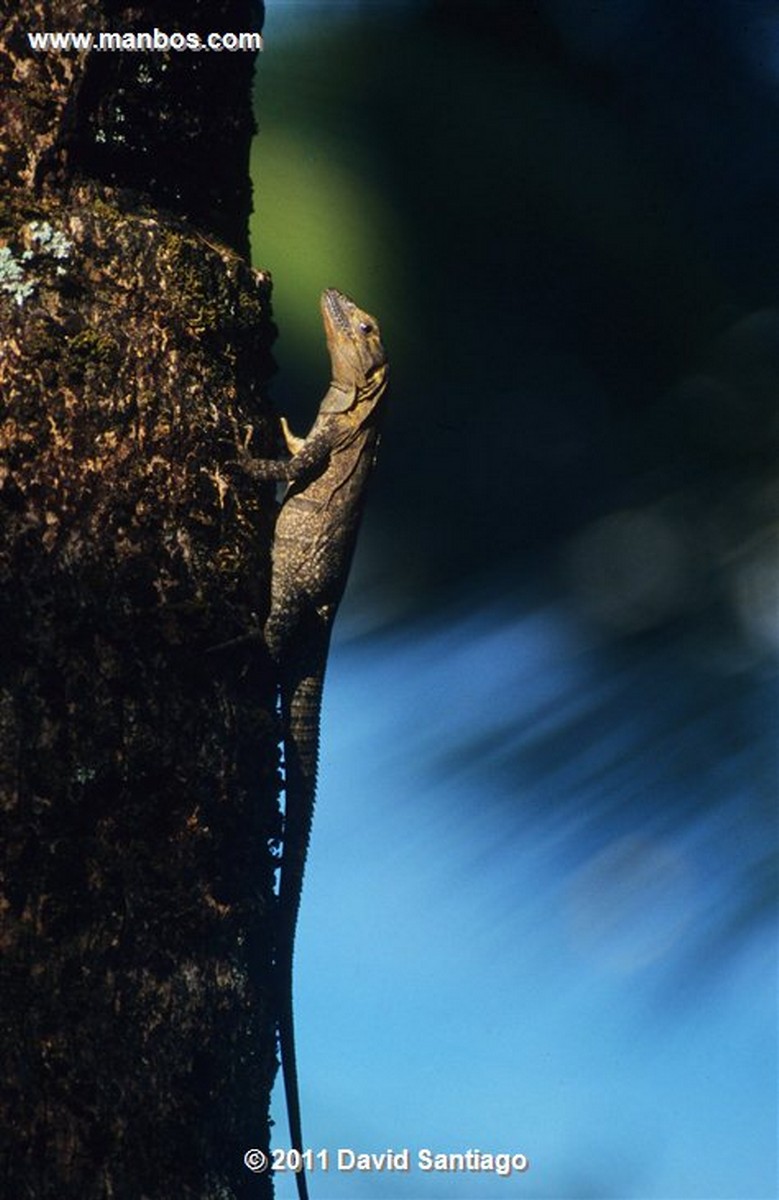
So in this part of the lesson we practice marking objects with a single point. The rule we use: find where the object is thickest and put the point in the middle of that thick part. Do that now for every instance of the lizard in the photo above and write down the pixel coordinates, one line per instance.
(314, 538)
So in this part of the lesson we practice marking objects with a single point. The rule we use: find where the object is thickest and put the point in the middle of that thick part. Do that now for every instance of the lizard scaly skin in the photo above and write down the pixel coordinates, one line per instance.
(314, 539)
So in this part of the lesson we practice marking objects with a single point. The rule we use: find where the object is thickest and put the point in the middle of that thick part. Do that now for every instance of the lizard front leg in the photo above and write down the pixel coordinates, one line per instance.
(309, 456)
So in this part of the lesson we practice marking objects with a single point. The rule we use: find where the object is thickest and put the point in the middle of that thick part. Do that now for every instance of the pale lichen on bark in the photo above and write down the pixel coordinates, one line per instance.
(138, 771)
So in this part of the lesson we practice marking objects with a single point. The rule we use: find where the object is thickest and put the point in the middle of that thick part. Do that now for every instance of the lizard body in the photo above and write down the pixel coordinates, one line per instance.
(315, 534)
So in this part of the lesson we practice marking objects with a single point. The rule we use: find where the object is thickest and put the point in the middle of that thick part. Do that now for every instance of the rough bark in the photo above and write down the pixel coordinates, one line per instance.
(138, 780)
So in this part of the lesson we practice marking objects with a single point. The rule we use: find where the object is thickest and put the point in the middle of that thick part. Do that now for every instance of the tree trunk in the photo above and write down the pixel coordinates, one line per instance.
(138, 765)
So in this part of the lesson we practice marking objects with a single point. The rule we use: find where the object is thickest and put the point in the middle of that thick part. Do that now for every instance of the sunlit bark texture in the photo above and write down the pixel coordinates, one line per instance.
(138, 781)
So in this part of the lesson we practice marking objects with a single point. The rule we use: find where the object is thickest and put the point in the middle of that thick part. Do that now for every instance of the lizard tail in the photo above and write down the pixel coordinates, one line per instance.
(289, 1066)
(300, 714)
(301, 701)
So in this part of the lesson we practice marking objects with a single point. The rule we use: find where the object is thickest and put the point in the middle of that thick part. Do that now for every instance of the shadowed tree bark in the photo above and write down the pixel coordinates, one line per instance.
(138, 769)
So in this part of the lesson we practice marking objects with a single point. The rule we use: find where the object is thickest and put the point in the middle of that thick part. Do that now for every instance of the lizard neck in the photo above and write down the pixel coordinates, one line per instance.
(338, 398)
(353, 392)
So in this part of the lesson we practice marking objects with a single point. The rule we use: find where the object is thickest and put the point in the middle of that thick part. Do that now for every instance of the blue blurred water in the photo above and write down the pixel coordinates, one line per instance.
(528, 922)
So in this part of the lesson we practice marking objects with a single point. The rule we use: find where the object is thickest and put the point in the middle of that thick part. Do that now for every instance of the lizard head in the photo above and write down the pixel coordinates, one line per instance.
(358, 359)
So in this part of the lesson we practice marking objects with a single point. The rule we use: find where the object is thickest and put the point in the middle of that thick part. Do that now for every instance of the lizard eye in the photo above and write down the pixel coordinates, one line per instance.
(366, 327)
